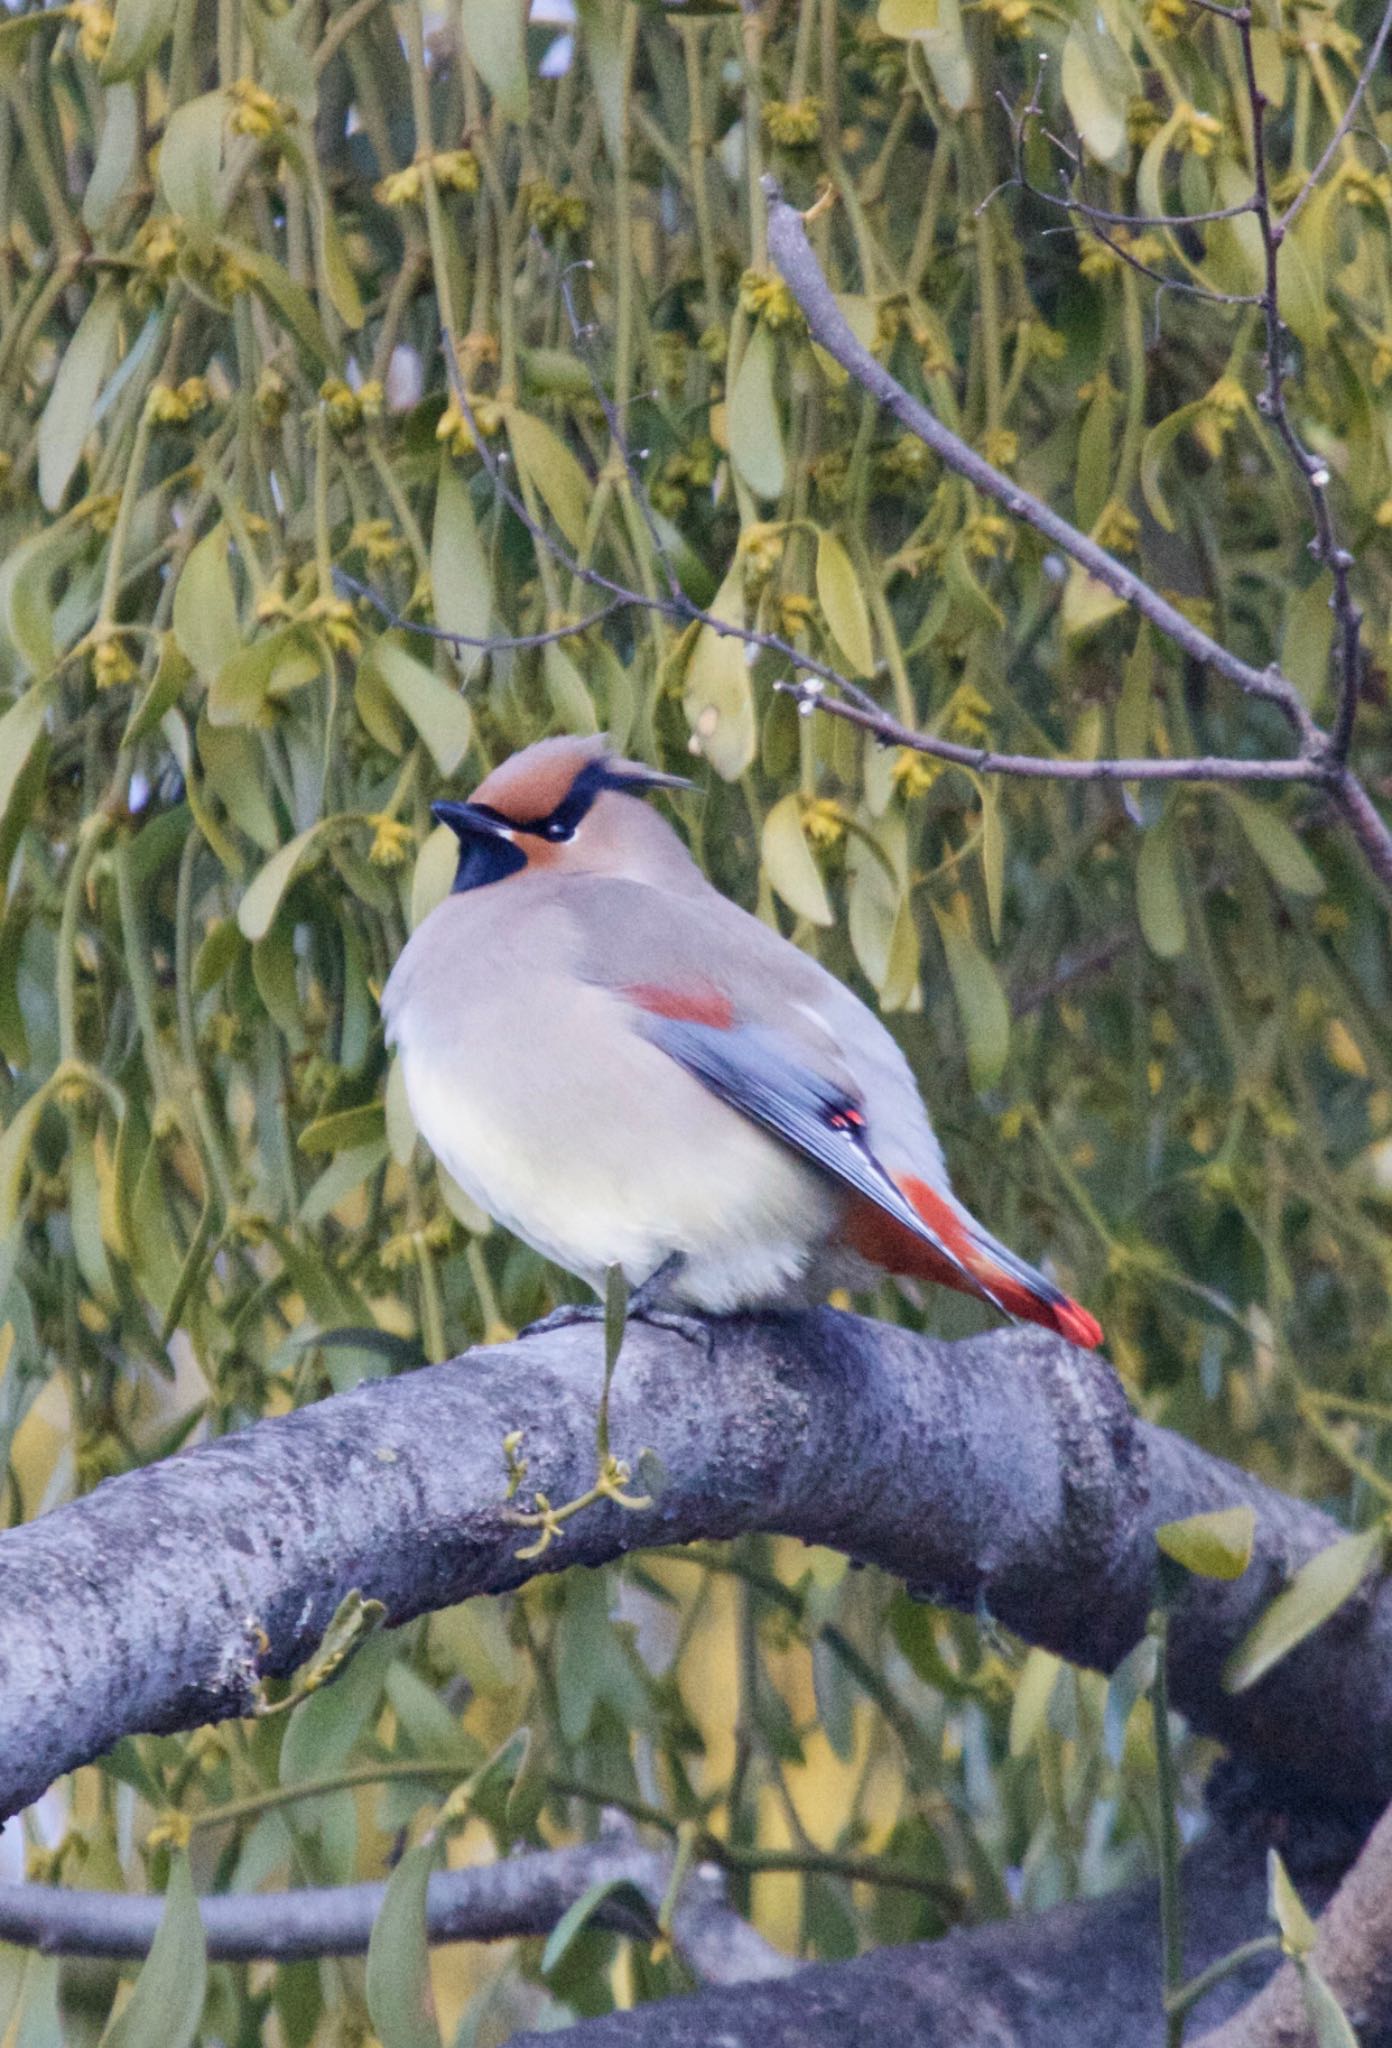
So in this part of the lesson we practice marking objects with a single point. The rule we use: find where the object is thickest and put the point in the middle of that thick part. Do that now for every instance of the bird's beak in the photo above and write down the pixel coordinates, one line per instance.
(651, 778)
(470, 821)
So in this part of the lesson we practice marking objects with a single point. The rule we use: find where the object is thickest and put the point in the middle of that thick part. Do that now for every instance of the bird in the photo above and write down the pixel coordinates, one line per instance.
(626, 1069)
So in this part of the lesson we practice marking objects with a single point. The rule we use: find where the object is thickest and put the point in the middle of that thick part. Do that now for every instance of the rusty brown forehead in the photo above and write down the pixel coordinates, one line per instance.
(532, 783)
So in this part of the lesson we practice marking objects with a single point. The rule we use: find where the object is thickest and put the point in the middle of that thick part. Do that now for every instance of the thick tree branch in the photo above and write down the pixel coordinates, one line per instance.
(1085, 1975)
(1005, 1470)
(521, 1895)
(1353, 1955)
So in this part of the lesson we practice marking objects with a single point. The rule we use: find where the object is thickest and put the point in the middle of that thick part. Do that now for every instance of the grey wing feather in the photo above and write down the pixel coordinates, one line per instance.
(808, 1112)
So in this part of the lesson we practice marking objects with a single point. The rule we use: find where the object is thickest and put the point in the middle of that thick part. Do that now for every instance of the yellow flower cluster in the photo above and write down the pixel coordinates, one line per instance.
(401, 1250)
(1195, 131)
(794, 612)
(691, 469)
(175, 405)
(1371, 191)
(987, 535)
(255, 111)
(95, 22)
(935, 350)
(1098, 259)
(454, 430)
(454, 170)
(391, 841)
(1001, 446)
(1044, 341)
(157, 247)
(824, 821)
(1012, 15)
(968, 716)
(768, 299)
(550, 210)
(377, 541)
(907, 461)
(1118, 528)
(100, 510)
(335, 616)
(714, 344)
(348, 408)
(1223, 403)
(794, 124)
(272, 397)
(1165, 18)
(111, 665)
(913, 774)
(761, 546)
(1143, 122)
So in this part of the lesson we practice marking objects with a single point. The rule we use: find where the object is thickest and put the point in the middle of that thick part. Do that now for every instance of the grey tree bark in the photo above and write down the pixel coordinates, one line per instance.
(1006, 1470)
(1084, 1975)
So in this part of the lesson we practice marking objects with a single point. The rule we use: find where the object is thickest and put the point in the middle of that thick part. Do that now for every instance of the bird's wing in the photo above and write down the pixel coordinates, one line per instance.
(771, 1033)
(748, 1068)
(761, 1025)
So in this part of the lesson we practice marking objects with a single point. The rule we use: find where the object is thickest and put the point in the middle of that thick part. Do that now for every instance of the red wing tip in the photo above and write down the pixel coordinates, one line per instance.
(1077, 1325)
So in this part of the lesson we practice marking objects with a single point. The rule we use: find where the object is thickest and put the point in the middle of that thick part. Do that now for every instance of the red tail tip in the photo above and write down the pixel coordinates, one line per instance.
(1077, 1325)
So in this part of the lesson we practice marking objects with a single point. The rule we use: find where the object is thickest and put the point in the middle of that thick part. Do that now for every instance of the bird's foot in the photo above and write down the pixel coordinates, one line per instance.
(645, 1305)
(693, 1329)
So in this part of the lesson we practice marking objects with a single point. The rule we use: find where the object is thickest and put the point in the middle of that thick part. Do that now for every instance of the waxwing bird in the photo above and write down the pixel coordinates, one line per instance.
(625, 1068)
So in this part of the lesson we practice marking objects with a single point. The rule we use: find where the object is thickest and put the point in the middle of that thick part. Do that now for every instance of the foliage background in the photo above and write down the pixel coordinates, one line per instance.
(1154, 1027)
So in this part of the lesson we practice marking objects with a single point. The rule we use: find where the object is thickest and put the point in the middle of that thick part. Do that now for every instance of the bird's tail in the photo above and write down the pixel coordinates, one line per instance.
(1023, 1291)
(975, 1262)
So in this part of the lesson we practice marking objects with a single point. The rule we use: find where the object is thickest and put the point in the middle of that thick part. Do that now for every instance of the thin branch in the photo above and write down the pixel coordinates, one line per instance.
(1098, 217)
(985, 761)
(793, 254)
(1314, 469)
(1365, 79)
(491, 643)
(1319, 761)
(521, 1895)
(582, 334)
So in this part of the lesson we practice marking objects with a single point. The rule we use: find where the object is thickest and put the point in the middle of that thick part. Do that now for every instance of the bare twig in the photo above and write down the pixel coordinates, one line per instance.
(985, 761)
(526, 1894)
(1350, 114)
(1272, 403)
(1318, 761)
(793, 254)
(490, 643)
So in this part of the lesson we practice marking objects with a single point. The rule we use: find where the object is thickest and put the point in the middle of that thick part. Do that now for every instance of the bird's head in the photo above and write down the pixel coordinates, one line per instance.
(564, 806)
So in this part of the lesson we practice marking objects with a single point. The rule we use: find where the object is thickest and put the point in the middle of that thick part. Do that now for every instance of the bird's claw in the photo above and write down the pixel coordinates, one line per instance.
(693, 1329)
(564, 1318)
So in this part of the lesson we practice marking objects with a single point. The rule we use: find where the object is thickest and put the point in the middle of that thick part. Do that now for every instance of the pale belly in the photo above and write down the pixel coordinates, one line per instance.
(623, 1160)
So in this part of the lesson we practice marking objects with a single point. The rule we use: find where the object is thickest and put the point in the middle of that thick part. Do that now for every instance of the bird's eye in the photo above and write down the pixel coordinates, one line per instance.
(556, 829)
